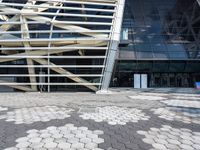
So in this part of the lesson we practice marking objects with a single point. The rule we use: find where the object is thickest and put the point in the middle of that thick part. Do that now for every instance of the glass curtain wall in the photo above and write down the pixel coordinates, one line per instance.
(164, 40)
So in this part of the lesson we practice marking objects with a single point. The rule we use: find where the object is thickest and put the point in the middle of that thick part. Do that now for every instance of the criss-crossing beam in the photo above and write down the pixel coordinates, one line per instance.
(49, 38)
(184, 30)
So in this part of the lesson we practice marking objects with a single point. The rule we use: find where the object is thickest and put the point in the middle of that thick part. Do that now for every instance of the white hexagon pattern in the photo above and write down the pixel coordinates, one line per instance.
(168, 138)
(114, 115)
(147, 97)
(35, 114)
(66, 137)
(178, 114)
(183, 103)
(3, 108)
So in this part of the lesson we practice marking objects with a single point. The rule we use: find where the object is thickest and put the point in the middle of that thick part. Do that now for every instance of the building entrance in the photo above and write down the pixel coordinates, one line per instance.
(130, 79)
(172, 80)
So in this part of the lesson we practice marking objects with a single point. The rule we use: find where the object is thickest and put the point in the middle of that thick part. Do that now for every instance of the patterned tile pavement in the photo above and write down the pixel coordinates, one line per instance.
(3, 108)
(36, 114)
(63, 137)
(151, 119)
(115, 115)
(171, 138)
(185, 115)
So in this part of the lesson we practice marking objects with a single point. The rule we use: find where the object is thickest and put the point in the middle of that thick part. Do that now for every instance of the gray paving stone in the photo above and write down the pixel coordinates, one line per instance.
(196, 146)
(23, 145)
(172, 141)
(159, 146)
(50, 145)
(114, 137)
(23, 139)
(61, 140)
(99, 132)
(172, 147)
(98, 140)
(48, 140)
(186, 147)
(73, 140)
(149, 141)
(69, 136)
(37, 145)
(130, 145)
(91, 145)
(119, 146)
(13, 148)
(85, 140)
(35, 140)
(64, 145)
(161, 141)
(77, 145)
(187, 142)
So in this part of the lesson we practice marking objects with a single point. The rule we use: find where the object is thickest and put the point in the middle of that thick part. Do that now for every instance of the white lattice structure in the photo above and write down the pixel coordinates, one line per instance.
(50, 44)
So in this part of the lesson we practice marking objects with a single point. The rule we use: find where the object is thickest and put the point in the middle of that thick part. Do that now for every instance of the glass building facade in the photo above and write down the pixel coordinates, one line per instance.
(159, 38)
(75, 45)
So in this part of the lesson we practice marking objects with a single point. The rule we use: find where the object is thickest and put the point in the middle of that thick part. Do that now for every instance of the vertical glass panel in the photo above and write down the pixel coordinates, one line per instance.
(177, 67)
(160, 66)
(144, 55)
(165, 26)
(124, 34)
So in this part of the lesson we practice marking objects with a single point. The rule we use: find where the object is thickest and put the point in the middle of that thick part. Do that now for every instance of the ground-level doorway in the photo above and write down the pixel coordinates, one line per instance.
(137, 80)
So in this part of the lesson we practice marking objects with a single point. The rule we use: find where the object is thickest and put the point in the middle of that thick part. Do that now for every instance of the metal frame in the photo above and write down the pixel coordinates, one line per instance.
(89, 34)
(183, 29)
(113, 46)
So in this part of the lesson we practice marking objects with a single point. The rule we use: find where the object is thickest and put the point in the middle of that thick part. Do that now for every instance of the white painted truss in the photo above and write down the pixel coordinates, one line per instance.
(46, 43)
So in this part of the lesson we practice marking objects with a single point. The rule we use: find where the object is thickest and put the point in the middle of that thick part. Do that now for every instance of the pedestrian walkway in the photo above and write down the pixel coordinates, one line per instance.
(134, 120)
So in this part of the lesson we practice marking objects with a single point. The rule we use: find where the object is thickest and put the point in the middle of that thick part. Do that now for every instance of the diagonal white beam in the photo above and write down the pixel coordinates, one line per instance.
(84, 27)
(67, 27)
(24, 27)
(114, 43)
(6, 27)
(65, 72)
(52, 51)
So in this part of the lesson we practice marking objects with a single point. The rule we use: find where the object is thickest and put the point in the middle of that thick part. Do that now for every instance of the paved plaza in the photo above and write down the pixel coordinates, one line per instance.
(128, 119)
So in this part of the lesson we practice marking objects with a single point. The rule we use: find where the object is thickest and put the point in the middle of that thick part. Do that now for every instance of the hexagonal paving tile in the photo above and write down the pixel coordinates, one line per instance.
(115, 115)
(185, 96)
(183, 103)
(186, 115)
(35, 114)
(171, 138)
(88, 139)
(147, 97)
(3, 108)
